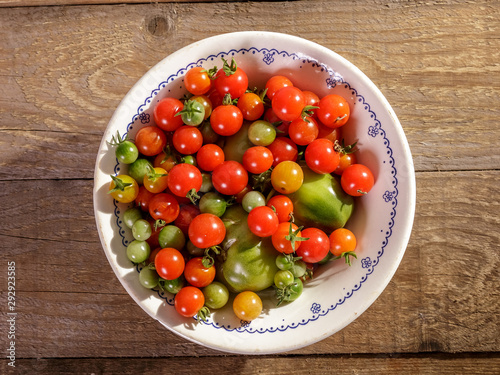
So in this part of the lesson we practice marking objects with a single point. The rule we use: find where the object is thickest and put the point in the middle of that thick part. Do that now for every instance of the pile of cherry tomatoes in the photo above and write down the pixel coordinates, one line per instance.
(178, 170)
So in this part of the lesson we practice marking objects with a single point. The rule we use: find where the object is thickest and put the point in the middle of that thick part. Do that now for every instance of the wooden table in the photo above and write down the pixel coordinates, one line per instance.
(64, 67)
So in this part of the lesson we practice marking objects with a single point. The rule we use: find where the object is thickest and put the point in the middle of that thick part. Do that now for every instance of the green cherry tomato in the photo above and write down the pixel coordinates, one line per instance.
(206, 184)
(138, 251)
(141, 230)
(253, 199)
(284, 262)
(131, 215)
(123, 188)
(173, 286)
(216, 295)
(213, 203)
(138, 169)
(126, 152)
(171, 236)
(283, 278)
(261, 133)
(299, 268)
(148, 278)
(193, 113)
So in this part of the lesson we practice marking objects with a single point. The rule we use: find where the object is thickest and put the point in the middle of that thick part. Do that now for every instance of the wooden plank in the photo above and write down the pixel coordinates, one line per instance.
(32, 3)
(444, 296)
(385, 364)
(439, 73)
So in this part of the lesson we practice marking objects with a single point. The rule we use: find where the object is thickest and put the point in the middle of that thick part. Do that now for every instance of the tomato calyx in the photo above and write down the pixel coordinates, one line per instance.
(119, 184)
(262, 181)
(208, 259)
(293, 236)
(118, 140)
(285, 294)
(152, 175)
(347, 256)
(193, 196)
(307, 112)
(190, 110)
(159, 223)
(211, 72)
(227, 100)
(229, 70)
(203, 314)
(341, 148)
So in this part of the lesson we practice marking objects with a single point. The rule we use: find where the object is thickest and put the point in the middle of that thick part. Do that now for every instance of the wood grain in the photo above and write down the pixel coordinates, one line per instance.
(348, 365)
(443, 298)
(63, 71)
(442, 80)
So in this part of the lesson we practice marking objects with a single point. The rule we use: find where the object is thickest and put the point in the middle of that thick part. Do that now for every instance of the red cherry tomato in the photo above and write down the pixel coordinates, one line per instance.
(206, 230)
(231, 80)
(150, 140)
(333, 111)
(342, 240)
(262, 221)
(288, 103)
(283, 241)
(251, 106)
(283, 149)
(316, 247)
(165, 114)
(143, 198)
(229, 177)
(312, 100)
(169, 263)
(197, 81)
(164, 206)
(209, 156)
(187, 139)
(357, 180)
(276, 83)
(303, 131)
(257, 159)
(321, 157)
(226, 120)
(189, 301)
(345, 161)
(283, 207)
(186, 214)
(183, 178)
(197, 274)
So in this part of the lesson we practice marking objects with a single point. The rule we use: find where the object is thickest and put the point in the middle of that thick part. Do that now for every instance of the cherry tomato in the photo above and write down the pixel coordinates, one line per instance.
(162, 160)
(226, 120)
(197, 274)
(288, 103)
(231, 80)
(283, 207)
(123, 188)
(206, 103)
(143, 198)
(156, 180)
(209, 156)
(165, 114)
(197, 81)
(164, 206)
(285, 242)
(183, 178)
(187, 140)
(357, 180)
(262, 221)
(257, 159)
(150, 140)
(229, 177)
(345, 161)
(283, 148)
(312, 100)
(287, 177)
(153, 240)
(189, 301)
(169, 263)
(215, 98)
(247, 306)
(206, 230)
(343, 244)
(328, 133)
(321, 157)
(186, 214)
(303, 131)
(276, 83)
(251, 106)
(316, 247)
(333, 111)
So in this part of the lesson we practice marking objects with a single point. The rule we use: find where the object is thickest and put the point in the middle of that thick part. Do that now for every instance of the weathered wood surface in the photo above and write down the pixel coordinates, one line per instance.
(63, 70)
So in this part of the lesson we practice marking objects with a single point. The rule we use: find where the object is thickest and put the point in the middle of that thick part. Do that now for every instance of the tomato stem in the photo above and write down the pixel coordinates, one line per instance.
(203, 314)
(193, 196)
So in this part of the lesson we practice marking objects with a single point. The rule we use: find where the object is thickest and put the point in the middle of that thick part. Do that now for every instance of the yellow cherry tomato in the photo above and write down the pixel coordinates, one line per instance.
(123, 188)
(156, 180)
(247, 306)
(287, 177)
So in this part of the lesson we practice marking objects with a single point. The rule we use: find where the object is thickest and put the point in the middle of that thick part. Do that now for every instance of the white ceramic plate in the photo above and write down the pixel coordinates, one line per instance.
(382, 221)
